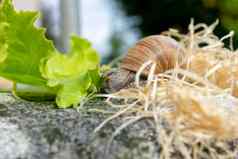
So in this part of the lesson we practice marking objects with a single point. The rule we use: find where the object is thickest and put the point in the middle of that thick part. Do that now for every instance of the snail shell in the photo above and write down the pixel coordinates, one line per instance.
(160, 49)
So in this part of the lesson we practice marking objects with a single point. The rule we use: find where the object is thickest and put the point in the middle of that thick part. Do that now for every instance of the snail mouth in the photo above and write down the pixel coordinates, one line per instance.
(192, 105)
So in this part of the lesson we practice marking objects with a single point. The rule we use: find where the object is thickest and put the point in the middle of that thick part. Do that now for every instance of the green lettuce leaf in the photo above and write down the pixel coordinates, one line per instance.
(22, 45)
(27, 57)
(75, 74)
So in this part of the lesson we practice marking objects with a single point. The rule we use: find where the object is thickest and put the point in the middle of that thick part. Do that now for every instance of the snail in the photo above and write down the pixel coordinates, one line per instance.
(160, 49)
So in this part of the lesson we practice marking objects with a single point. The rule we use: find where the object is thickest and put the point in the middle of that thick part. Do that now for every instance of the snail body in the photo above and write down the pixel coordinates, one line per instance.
(117, 79)
(159, 49)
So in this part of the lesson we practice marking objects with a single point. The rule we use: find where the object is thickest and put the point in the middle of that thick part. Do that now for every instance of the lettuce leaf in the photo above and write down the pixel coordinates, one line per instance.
(74, 74)
(27, 57)
(22, 45)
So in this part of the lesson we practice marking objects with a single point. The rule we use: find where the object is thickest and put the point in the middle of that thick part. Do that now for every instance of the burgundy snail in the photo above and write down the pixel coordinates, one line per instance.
(160, 49)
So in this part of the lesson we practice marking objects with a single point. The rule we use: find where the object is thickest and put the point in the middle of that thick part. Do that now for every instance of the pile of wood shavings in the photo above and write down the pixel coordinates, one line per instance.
(195, 105)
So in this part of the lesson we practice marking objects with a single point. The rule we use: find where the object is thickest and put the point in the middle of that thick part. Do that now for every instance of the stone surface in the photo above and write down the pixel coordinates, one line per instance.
(31, 130)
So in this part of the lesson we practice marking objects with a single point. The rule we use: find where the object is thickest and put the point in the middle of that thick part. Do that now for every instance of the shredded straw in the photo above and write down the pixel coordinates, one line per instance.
(194, 106)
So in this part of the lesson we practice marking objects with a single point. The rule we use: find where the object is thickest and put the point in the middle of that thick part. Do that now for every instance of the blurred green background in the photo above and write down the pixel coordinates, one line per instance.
(155, 16)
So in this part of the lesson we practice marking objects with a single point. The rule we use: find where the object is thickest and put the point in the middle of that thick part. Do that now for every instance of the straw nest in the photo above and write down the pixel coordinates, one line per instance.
(195, 104)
